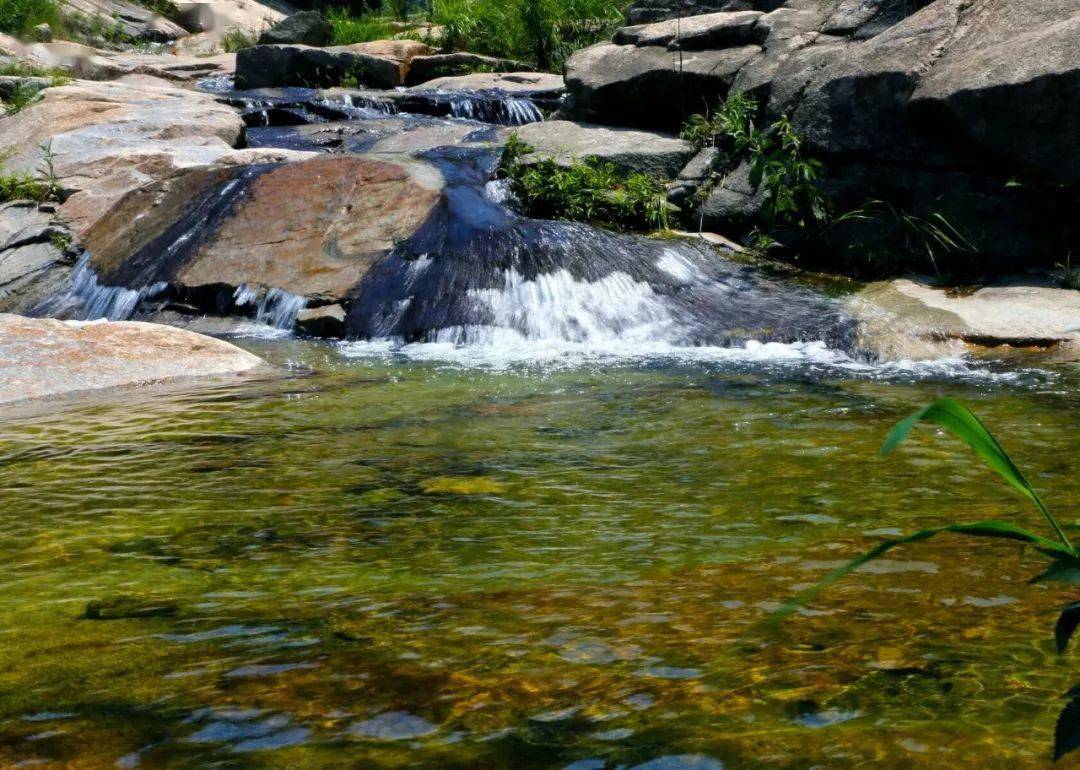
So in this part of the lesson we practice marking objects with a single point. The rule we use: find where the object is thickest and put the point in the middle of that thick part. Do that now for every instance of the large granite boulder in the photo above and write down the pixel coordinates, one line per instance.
(268, 66)
(42, 358)
(305, 28)
(648, 86)
(932, 106)
(565, 142)
(133, 21)
(649, 11)
(240, 241)
(421, 69)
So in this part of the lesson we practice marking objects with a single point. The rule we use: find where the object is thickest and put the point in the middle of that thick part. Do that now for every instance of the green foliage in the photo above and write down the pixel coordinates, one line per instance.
(237, 39)
(349, 29)
(21, 186)
(729, 129)
(790, 180)
(19, 17)
(1064, 559)
(585, 191)
(25, 94)
(398, 9)
(544, 32)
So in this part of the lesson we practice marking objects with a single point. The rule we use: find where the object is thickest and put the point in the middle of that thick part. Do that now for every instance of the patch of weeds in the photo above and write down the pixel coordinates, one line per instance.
(1067, 275)
(349, 29)
(23, 96)
(544, 32)
(24, 186)
(585, 191)
(237, 39)
(19, 17)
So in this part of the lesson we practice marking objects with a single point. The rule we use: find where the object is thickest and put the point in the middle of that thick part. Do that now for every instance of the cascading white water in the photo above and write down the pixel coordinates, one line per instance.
(274, 307)
(508, 110)
(94, 301)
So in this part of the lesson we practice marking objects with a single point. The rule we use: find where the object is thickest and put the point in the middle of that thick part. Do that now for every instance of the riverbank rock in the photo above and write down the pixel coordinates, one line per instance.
(565, 142)
(934, 107)
(903, 319)
(268, 66)
(305, 28)
(105, 139)
(41, 358)
(37, 253)
(648, 86)
(264, 240)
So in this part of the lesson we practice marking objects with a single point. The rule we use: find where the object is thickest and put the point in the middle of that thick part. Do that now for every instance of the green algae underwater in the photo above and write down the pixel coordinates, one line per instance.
(373, 562)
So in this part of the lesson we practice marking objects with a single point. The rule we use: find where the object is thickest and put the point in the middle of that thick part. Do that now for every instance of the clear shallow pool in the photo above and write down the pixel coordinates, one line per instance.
(391, 560)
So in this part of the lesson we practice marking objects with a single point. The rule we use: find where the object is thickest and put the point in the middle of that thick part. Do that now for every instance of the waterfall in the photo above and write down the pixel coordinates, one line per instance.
(86, 299)
(492, 107)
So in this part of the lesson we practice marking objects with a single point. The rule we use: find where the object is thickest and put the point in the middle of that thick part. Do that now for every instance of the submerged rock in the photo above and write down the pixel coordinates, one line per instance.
(41, 358)
(126, 607)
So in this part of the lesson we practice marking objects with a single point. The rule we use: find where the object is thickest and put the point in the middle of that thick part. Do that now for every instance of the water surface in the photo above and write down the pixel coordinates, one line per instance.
(382, 560)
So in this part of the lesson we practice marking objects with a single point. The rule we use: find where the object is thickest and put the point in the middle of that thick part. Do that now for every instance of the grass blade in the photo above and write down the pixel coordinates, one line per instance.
(990, 528)
(958, 420)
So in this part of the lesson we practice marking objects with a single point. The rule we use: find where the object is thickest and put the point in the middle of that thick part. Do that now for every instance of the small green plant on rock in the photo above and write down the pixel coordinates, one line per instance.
(1063, 558)
(237, 39)
(588, 190)
(22, 97)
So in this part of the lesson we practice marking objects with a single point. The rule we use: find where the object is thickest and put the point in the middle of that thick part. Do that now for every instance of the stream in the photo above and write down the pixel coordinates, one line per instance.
(531, 514)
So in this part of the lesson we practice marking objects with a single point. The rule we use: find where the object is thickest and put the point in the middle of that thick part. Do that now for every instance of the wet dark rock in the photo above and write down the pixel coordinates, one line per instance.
(325, 321)
(305, 28)
(129, 607)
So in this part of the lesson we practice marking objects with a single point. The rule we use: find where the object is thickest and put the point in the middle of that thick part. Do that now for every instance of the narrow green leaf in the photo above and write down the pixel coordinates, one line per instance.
(958, 419)
(1067, 730)
(1066, 625)
(990, 528)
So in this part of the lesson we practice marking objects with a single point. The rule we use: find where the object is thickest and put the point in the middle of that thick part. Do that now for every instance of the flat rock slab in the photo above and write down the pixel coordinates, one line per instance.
(711, 30)
(565, 141)
(905, 319)
(510, 82)
(40, 358)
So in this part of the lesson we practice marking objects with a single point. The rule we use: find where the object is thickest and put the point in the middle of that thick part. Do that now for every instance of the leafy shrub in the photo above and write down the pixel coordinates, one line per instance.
(19, 17)
(585, 191)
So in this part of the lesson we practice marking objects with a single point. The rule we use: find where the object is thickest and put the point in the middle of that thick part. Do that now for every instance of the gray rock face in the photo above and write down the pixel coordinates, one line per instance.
(733, 204)
(36, 255)
(932, 105)
(564, 142)
(713, 30)
(268, 66)
(421, 69)
(649, 11)
(305, 28)
(648, 86)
